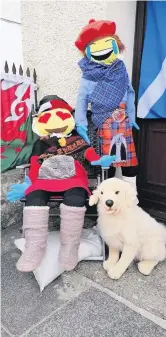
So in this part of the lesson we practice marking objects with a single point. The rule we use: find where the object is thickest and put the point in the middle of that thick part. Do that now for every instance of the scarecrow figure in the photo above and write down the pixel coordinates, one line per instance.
(105, 85)
(57, 168)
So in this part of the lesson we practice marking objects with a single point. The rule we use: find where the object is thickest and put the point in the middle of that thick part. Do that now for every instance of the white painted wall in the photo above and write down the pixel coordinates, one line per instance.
(10, 33)
(123, 13)
(11, 10)
(48, 42)
(50, 29)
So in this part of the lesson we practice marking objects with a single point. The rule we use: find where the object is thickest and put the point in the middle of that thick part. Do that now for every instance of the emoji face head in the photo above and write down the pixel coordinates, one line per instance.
(98, 41)
(104, 50)
(55, 119)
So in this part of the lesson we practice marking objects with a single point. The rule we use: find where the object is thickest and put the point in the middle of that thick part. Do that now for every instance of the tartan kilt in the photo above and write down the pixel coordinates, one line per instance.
(116, 139)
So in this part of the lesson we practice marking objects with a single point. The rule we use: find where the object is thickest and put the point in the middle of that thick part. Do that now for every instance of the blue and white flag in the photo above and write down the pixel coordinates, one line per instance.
(152, 87)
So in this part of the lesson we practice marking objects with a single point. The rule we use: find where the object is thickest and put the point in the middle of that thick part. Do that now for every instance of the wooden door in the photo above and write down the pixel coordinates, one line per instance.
(151, 180)
(151, 139)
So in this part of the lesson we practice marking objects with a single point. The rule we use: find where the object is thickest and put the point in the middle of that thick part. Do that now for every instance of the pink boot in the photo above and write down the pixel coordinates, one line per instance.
(35, 229)
(72, 221)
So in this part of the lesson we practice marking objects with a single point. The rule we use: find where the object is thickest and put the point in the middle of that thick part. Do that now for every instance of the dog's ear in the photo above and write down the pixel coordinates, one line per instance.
(131, 196)
(93, 200)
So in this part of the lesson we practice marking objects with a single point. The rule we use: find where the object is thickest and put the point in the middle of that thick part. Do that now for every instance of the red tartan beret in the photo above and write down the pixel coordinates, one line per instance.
(94, 31)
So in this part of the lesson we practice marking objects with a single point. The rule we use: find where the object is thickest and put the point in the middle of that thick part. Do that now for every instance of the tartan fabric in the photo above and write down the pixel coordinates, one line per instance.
(112, 83)
(111, 129)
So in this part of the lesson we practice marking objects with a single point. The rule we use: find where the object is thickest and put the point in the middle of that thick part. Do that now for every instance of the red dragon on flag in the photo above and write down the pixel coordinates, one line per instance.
(17, 137)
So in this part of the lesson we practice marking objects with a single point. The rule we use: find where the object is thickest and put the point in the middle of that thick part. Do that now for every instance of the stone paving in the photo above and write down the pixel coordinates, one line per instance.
(82, 303)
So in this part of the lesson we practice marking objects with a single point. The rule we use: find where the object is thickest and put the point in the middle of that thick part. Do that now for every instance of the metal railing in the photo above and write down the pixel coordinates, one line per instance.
(21, 72)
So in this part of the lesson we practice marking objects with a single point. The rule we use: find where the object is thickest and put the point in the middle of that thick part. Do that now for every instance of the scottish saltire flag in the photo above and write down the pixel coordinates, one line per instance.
(152, 87)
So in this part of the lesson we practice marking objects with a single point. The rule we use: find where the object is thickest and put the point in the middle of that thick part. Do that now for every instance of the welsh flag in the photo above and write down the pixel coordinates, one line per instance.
(17, 137)
(152, 87)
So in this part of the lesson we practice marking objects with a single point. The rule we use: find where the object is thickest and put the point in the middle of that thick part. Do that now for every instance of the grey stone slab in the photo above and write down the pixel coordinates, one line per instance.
(11, 213)
(95, 314)
(148, 292)
(4, 333)
(8, 236)
(22, 303)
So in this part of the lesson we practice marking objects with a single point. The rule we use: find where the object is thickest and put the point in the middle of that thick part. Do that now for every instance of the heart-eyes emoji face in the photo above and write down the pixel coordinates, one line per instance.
(55, 121)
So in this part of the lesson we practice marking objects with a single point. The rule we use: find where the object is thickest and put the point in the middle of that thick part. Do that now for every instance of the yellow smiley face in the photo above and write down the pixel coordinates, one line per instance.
(104, 50)
(56, 121)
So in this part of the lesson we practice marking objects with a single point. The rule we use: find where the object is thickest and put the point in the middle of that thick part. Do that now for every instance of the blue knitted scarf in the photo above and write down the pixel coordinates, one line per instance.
(112, 83)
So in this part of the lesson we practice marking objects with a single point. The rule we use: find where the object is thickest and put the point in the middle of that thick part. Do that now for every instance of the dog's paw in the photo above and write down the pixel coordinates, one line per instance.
(115, 273)
(145, 267)
(109, 264)
(106, 265)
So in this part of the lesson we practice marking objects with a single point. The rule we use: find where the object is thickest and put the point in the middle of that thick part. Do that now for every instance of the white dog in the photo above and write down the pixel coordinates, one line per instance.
(126, 228)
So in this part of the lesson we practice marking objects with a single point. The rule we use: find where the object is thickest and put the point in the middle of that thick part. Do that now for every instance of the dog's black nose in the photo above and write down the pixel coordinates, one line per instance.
(109, 203)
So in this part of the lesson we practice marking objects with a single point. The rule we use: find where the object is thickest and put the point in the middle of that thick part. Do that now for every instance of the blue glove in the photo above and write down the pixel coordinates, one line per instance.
(83, 132)
(134, 125)
(17, 191)
(104, 161)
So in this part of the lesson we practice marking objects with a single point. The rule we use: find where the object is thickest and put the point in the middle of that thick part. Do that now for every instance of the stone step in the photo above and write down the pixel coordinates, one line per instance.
(11, 213)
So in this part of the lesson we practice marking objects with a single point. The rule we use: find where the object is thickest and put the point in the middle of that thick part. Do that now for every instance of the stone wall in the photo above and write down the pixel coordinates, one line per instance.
(11, 213)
